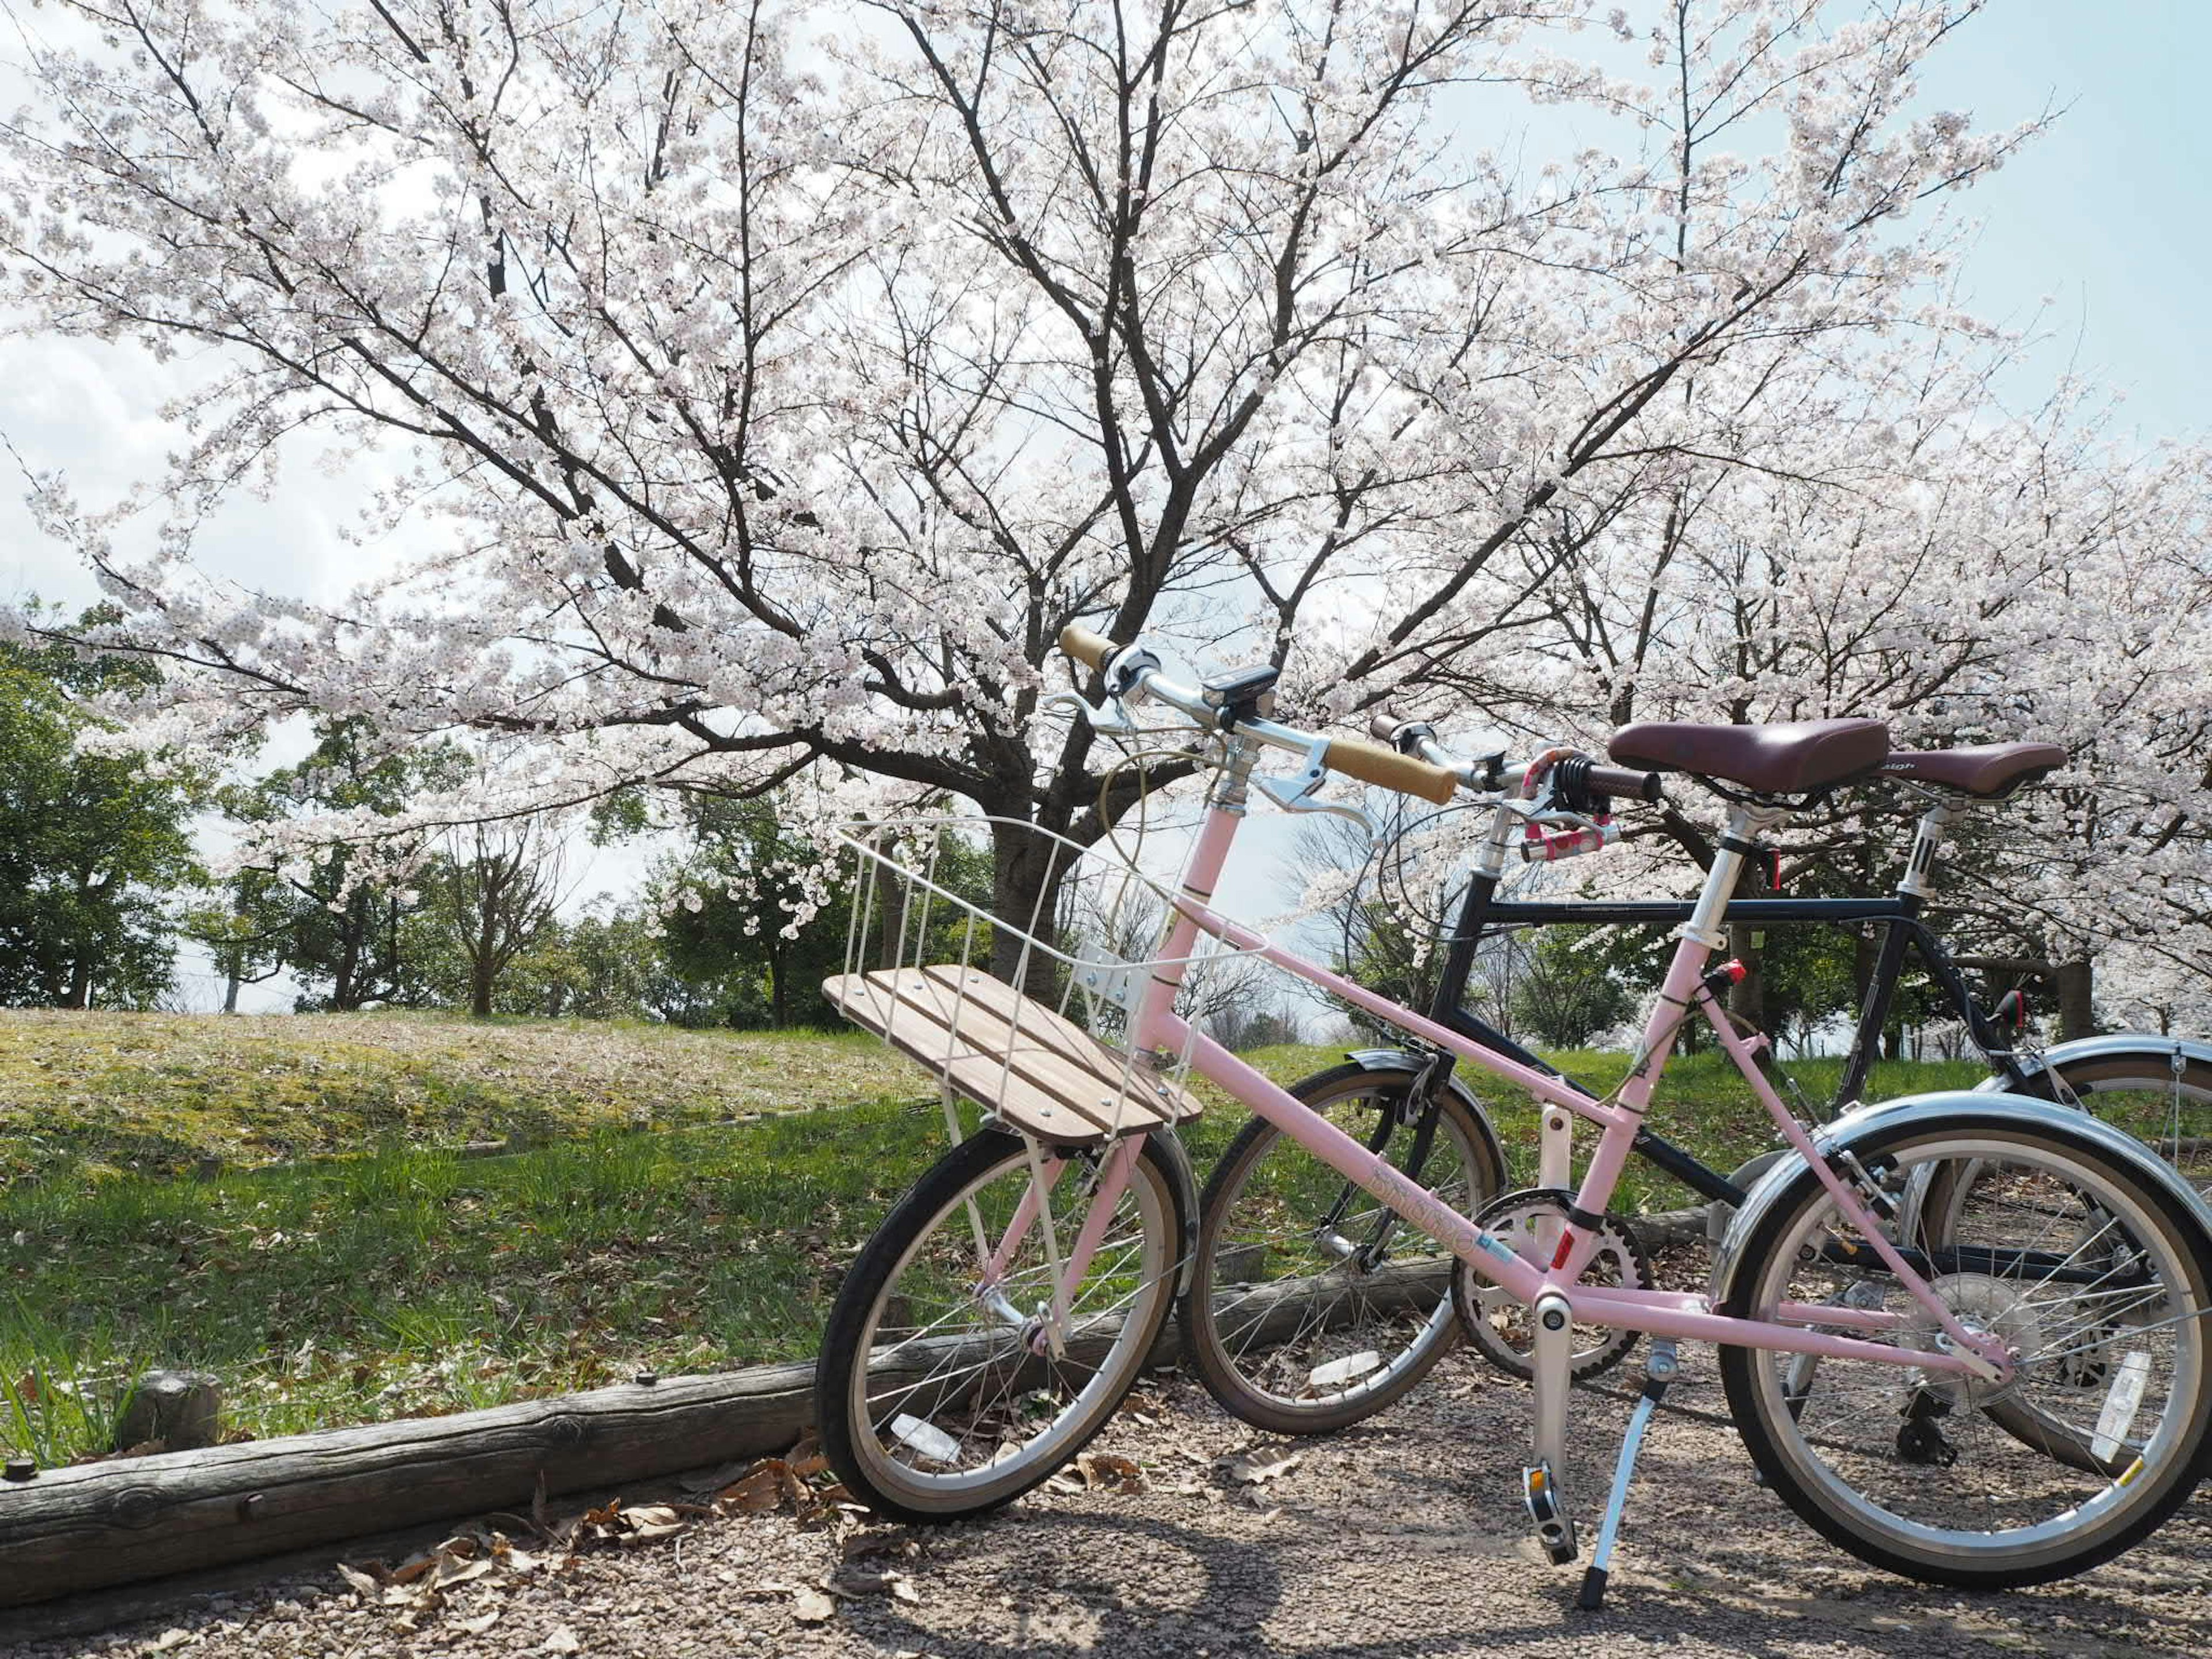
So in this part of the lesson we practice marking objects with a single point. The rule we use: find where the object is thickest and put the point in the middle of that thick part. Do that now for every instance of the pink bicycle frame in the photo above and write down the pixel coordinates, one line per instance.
(1662, 1313)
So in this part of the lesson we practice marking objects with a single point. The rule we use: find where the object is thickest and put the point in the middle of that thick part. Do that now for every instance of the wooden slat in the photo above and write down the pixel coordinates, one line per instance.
(1029, 1059)
(1164, 1098)
(1047, 1076)
(982, 1077)
(1078, 1073)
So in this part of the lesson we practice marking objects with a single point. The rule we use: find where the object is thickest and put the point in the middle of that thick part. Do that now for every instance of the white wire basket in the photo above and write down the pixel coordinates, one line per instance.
(1028, 1015)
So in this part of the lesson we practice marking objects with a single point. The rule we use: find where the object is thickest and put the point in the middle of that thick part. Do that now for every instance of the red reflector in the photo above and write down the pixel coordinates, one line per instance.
(1566, 1249)
(1737, 972)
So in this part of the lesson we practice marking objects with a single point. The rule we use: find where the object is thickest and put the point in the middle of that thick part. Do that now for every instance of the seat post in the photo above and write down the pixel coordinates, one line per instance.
(1928, 839)
(1738, 840)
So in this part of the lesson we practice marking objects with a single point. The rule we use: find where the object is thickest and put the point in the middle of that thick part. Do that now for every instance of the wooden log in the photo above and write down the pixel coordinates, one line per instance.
(183, 1410)
(98, 1524)
(109, 1523)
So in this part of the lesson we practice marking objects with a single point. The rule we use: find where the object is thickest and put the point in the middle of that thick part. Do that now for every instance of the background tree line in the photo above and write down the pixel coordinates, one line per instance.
(101, 881)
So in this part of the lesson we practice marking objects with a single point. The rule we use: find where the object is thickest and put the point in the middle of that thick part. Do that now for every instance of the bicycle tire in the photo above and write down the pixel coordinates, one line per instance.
(1229, 1330)
(1003, 1443)
(1832, 1481)
(2138, 1091)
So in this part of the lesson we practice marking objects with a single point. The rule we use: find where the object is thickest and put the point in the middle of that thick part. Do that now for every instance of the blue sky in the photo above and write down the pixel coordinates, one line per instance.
(2109, 215)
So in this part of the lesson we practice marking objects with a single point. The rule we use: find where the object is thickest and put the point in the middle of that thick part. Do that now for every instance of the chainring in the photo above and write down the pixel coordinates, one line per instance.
(1499, 1324)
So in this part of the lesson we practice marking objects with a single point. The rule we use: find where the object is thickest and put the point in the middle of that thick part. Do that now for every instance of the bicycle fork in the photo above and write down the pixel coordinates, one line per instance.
(1049, 1327)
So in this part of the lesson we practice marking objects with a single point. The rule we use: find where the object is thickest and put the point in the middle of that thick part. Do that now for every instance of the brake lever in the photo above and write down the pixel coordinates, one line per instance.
(1114, 718)
(1296, 794)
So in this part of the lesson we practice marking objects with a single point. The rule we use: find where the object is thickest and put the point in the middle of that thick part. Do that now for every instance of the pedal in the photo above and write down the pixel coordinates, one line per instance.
(1554, 1530)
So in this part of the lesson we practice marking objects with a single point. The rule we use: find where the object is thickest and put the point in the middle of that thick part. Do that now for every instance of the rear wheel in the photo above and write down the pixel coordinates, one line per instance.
(2167, 1107)
(2053, 1242)
(936, 1395)
(1311, 1305)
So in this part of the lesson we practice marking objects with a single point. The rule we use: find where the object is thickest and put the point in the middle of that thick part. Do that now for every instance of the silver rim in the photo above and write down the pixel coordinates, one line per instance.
(2170, 1114)
(1300, 1323)
(949, 1405)
(2083, 1269)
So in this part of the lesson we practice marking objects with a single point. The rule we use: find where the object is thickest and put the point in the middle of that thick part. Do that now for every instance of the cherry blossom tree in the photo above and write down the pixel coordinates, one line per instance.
(769, 387)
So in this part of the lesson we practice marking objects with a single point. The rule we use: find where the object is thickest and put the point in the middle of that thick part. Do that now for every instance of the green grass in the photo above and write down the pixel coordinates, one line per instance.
(408, 1280)
(155, 1094)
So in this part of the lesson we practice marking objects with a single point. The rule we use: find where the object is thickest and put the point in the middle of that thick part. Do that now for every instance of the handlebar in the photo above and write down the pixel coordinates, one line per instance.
(1419, 738)
(1405, 755)
(1365, 760)
(1620, 780)
(1371, 763)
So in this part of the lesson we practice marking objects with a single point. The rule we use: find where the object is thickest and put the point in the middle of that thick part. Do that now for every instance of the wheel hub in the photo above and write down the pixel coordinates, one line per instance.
(1992, 1312)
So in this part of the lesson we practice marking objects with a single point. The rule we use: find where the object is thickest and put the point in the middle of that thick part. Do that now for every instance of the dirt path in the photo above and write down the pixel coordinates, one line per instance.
(1401, 1538)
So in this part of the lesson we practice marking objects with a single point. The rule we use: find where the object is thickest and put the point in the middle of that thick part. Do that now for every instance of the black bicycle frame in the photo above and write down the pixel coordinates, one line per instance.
(1903, 929)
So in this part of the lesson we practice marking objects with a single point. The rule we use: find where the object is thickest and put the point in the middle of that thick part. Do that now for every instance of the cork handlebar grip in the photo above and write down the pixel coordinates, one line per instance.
(1372, 764)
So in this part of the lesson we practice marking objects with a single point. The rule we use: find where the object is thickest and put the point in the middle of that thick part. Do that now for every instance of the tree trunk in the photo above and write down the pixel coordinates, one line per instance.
(345, 984)
(480, 977)
(778, 991)
(79, 995)
(2076, 986)
(1027, 872)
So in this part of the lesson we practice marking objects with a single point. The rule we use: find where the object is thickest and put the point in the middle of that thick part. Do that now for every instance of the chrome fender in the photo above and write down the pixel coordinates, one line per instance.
(1948, 1107)
(1386, 1060)
(2113, 1045)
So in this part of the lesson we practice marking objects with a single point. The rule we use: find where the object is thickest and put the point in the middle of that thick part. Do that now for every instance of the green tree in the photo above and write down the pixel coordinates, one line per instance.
(1570, 988)
(341, 929)
(91, 845)
(733, 902)
(490, 900)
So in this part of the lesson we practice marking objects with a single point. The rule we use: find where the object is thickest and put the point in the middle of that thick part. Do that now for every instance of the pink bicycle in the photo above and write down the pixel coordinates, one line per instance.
(1988, 1259)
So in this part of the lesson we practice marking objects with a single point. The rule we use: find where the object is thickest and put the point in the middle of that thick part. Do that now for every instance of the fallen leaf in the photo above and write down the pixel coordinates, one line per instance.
(362, 1581)
(478, 1626)
(562, 1640)
(811, 1607)
(461, 1572)
(1251, 1468)
(175, 1637)
(714, 1479)
(758, 1492)
(1112, 1473)
(651, 1520)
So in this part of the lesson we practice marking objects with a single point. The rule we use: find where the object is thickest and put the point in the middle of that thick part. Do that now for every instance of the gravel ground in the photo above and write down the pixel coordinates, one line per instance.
(1402, 1537)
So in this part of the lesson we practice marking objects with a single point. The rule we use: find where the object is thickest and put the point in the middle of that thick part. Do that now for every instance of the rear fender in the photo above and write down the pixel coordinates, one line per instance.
(1400, 1062)
(1958, 1109)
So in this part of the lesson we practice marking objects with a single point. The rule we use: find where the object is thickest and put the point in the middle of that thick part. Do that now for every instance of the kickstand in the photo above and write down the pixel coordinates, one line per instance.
(1658, 1371)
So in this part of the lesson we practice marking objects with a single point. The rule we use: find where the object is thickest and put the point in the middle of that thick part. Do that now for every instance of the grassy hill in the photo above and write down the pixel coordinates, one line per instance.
(158, 1094)
(301, 1204)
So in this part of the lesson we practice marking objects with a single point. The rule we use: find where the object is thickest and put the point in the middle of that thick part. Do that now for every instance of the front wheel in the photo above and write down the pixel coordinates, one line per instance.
(2060, 1247)
(937, 1393)
(1311, 1305)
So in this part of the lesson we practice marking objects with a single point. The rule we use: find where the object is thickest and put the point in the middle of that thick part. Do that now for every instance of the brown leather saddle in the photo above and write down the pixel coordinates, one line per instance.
(1989, 770)
(1797, 758)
